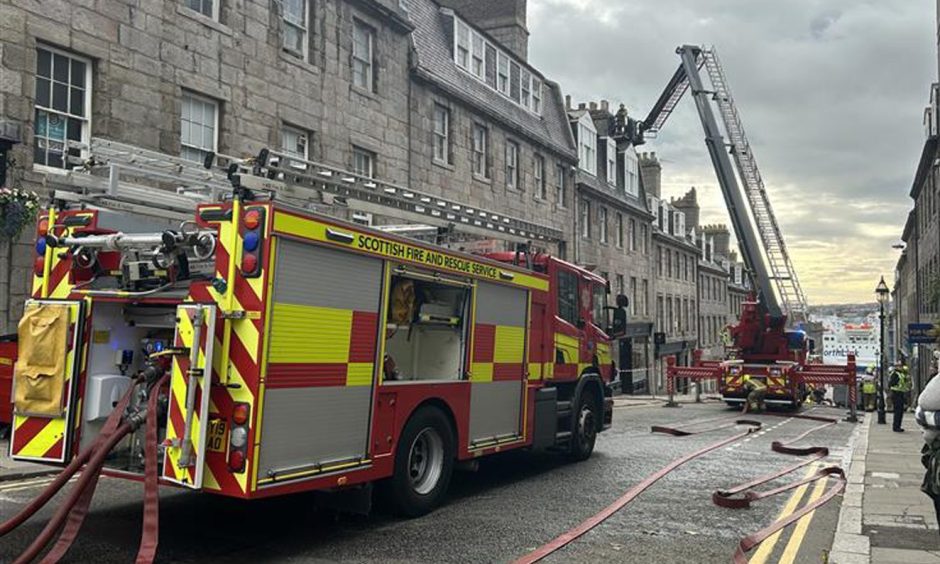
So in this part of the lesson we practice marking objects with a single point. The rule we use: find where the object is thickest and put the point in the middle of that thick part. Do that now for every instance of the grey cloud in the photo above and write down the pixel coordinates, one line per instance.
(831, 93)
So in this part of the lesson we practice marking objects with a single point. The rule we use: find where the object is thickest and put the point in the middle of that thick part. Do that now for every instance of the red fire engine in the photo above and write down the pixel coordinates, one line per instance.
(300, 352)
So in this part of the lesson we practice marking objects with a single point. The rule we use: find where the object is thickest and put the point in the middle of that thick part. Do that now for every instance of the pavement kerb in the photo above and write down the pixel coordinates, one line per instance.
(849, 545)
(21, 475)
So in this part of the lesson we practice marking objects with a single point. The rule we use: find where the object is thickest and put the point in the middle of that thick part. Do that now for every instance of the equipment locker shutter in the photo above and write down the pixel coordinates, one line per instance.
(321, 359)
(498, 365)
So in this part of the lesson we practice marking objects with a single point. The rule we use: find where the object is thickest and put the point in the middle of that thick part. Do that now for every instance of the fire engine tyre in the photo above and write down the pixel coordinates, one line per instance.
(424, 462)
(584, 426)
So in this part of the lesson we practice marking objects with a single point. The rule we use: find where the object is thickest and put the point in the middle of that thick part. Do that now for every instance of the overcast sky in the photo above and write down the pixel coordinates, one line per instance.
(831, 93)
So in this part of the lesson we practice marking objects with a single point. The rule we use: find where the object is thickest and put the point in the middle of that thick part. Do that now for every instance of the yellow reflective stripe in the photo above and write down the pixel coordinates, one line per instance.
(509, 345)
(377, 245)
(481, 371)
(359, 374)
(535, 370)
(309, 334)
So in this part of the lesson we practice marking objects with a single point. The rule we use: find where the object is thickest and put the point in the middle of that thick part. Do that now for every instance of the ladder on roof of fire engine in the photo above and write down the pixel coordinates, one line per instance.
(775, 257)
(124, 177)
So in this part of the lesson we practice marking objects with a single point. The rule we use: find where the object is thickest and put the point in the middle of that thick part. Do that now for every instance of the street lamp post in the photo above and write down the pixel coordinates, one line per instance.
(882, 292)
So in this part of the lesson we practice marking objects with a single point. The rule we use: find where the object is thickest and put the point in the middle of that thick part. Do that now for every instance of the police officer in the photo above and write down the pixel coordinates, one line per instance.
(900, 386)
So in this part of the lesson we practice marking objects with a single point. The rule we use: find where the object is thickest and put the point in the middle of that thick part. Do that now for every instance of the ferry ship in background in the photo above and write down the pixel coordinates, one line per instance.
(842, 336)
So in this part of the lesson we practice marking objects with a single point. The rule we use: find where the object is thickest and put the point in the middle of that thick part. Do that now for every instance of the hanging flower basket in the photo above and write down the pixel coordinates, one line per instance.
(18, 208)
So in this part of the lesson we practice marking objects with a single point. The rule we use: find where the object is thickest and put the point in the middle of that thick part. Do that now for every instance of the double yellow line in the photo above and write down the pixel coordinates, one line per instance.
(790, 551)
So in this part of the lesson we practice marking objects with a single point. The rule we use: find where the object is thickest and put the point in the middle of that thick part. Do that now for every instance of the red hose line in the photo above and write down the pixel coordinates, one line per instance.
(66, 474)
(150, 531)
(563, 539)
(91, 471)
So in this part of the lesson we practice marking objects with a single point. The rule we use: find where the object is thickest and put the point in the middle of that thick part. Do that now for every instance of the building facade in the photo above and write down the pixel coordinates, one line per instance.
(613, 226)
(434, 95)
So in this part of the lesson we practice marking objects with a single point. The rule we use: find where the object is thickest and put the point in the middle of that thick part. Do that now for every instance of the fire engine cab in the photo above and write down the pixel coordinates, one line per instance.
(300, 352)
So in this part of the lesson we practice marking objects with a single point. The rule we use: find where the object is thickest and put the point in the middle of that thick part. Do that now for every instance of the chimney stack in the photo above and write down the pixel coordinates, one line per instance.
(605, 105)
(593, 106)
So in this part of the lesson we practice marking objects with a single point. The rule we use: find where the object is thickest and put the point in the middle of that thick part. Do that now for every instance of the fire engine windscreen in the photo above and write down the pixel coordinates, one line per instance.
(426, 329)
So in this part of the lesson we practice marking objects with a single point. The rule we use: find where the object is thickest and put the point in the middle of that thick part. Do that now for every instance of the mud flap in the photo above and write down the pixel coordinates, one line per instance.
(46, 379)
(190, 388)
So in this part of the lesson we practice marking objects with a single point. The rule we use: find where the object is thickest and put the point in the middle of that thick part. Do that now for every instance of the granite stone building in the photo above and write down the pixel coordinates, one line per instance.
(613, 225)
(676, 261)
(435, 95)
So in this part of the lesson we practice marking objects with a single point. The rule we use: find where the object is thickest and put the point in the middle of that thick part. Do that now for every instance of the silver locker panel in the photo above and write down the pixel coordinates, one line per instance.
(500, 305)
(313, 426)
(318, 276)
(494, 410)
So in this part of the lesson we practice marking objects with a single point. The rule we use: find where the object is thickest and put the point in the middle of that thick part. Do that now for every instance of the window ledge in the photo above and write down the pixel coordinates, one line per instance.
(442, 164)
(483, 179)
(204, 20)
(297, 60)
(363, 92)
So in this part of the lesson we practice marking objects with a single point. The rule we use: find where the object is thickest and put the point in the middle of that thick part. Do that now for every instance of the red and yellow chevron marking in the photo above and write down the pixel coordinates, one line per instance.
(320, 346)
(498, 353)
(45, 438)
(237, 357)
(776, 381)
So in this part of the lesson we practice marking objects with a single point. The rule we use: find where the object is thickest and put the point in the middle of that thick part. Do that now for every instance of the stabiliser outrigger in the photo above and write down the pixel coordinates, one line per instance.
(287, 351)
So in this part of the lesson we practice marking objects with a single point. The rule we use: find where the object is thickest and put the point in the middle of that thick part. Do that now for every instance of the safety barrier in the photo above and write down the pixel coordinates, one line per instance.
(815, 374)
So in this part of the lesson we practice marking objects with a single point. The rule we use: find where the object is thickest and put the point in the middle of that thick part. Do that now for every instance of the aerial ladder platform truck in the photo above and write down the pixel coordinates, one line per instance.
(766, 343)
(203, 328)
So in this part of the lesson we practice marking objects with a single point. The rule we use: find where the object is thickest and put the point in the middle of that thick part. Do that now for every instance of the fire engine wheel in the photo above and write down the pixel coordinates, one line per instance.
(584, 431)
(424, 462)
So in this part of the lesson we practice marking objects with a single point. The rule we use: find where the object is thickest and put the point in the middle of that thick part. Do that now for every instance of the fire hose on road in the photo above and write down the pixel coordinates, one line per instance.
(740, 496)
(69, 516)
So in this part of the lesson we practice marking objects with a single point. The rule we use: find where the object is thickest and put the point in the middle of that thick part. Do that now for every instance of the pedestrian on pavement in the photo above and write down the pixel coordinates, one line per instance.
(928, 417)
(900, 386)
(756, 391)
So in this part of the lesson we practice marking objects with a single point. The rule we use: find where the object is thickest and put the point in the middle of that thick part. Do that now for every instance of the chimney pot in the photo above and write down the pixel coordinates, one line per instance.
(605, 105)
(593, 105)
(582, 106)
(567, 101)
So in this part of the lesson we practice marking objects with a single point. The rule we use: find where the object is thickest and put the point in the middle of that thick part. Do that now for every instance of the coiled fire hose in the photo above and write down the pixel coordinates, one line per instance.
(70, 515)
(723, 498)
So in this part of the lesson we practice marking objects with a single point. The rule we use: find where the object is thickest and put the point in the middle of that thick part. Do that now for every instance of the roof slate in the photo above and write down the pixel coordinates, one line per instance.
(432, 38)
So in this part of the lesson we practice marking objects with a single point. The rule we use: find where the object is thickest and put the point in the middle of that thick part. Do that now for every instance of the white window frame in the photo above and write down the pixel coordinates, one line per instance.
(561, 185)
(368, 61)
(502, 73)
(477, 60)
(631, 176)
(469, 54)
(441, 134)
(512, 165)
(213, 11)
(215, 126)
(86, 119)
(481, 153)
(541, 188)
(299, 134)
(619, 230)
(587, 145)
(369, 156)
(585, 216)
(525, 88)
(536, 96)
(602, 220)
(303, 26)
(461, 50)
(611, 162)
(362, 218)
